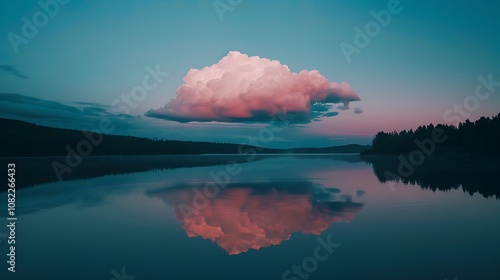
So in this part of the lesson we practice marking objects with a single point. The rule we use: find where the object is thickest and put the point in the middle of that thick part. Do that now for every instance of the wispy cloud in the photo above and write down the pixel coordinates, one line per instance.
(12, 70)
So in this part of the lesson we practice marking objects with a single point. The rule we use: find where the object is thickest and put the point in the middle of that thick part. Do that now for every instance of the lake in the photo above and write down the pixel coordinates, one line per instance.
(276, 217)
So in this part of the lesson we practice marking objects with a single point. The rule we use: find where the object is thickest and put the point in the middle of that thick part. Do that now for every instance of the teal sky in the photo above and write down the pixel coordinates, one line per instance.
(427, 59)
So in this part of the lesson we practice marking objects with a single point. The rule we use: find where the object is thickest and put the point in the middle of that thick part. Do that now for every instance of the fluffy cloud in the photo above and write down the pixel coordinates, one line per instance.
(240, 88)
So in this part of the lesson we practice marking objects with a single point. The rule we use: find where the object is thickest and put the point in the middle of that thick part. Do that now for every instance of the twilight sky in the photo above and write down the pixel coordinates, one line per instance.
(85, 60)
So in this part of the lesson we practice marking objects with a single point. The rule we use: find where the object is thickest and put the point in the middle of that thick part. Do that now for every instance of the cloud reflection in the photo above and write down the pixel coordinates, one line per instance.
(248, 216)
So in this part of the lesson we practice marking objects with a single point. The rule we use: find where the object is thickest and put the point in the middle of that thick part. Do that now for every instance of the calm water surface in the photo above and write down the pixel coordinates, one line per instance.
(275, 215)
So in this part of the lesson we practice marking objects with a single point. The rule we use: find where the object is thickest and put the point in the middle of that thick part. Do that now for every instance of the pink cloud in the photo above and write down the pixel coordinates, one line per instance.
(239, 219)
(240, 88)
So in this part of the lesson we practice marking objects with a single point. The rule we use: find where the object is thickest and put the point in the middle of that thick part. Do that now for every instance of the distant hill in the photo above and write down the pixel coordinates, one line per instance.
(351, 148)
(23, 139)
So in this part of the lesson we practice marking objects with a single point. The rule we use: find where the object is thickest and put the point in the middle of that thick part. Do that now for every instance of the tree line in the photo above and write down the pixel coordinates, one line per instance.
(479, 137)
(20, 138)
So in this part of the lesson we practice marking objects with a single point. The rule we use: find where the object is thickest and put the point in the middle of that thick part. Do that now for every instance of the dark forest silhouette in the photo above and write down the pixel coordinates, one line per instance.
(479, 137)
(441, 157)
(22, 139)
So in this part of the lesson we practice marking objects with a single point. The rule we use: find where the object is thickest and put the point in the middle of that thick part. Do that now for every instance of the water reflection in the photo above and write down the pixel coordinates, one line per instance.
(474, 175)
(253, 215)
(276, 200)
